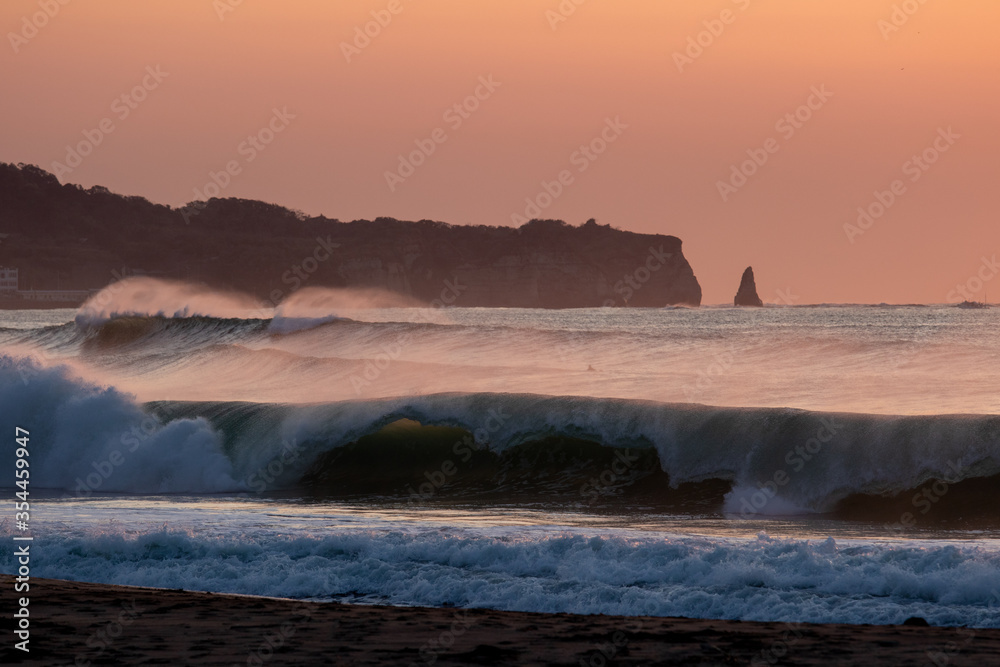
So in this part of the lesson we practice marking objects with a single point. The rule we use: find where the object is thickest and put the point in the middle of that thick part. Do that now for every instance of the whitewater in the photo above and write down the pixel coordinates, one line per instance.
(822, 463)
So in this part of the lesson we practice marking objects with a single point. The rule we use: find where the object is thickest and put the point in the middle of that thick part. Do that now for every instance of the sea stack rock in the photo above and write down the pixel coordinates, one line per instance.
(747, 294)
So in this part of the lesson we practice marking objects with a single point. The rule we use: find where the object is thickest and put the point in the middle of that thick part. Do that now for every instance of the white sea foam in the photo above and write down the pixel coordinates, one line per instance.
(89, 438)
(550, 570)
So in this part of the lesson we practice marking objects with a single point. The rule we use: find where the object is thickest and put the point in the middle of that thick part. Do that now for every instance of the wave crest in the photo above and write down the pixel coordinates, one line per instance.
(777, 461)
(90, 438)
(142, 296)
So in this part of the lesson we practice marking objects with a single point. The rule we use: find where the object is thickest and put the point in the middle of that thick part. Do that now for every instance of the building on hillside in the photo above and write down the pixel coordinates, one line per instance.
(8, 279)
(61, 295)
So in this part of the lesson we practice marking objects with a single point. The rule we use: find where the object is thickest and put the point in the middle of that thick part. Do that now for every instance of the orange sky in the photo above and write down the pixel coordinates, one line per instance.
(688, 122)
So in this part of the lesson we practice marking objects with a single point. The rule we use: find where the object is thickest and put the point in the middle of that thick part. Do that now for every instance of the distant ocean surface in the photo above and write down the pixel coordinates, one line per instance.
(824, 464)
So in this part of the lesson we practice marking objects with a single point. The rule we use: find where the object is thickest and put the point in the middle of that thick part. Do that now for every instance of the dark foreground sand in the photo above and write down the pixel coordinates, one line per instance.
(94, 624)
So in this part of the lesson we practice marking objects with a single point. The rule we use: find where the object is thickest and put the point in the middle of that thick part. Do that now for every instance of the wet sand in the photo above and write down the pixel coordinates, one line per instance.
(95, 624)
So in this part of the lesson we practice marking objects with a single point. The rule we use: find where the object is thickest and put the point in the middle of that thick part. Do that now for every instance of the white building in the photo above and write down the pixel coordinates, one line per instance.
(79, 296)
(8, 279)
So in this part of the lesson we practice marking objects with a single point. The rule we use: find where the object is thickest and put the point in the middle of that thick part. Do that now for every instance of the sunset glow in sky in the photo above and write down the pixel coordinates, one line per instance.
(645, 108)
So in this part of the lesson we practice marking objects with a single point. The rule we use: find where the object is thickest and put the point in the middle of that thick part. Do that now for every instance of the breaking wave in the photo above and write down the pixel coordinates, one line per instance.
(770, 461)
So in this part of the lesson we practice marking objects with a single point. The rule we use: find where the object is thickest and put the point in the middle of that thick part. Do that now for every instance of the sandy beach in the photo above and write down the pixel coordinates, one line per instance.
(94, 624)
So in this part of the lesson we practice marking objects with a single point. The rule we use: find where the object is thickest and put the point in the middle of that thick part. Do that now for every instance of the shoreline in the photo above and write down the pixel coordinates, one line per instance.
(77, 623)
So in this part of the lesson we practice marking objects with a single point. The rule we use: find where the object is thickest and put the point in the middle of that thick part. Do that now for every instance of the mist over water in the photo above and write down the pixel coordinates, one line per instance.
(166, 298)
(173, 341)
(800, 422)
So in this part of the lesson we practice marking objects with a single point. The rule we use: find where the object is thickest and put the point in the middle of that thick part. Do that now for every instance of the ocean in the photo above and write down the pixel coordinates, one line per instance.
(800, 464)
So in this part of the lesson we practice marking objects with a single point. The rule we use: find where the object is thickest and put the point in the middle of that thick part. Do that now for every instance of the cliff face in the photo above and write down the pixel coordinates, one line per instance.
(62, 236)
(544, 264)
(746, 295)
